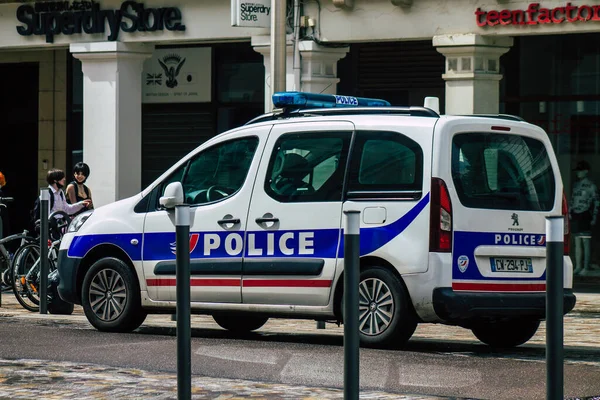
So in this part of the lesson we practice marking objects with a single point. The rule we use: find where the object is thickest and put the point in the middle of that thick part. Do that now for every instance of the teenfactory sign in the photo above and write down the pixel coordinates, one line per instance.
(534, 15)
(131, 17)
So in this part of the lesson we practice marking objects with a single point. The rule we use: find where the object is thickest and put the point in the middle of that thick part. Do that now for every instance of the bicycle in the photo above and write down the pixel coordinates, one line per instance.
(5, 256)
(26, 270)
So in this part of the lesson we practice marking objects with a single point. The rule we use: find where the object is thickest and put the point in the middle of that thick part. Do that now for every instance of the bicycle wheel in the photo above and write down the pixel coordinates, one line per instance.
(25, 269)
(6, 273)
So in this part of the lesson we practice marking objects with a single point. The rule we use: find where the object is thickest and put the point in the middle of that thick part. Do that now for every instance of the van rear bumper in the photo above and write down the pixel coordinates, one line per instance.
(461, 308)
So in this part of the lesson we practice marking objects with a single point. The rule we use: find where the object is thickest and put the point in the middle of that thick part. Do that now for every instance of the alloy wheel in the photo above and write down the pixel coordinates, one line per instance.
(108, 295)
(376, 306)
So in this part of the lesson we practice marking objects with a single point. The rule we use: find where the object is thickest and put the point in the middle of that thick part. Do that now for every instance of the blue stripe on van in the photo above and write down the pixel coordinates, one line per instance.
(465, 244)
(318, 243)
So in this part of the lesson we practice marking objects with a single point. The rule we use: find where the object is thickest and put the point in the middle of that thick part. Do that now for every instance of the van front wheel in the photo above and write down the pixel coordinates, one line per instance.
(111, 297)
(506, 333)
(385, 316)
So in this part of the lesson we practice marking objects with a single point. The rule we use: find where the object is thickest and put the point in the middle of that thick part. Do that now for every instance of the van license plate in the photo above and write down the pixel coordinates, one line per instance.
(512, 265)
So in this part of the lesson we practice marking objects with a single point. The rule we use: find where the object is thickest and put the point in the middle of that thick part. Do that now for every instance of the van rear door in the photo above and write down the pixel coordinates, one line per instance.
(504, 182)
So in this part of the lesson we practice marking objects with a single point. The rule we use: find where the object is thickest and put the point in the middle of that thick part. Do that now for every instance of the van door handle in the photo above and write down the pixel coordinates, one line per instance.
(228, 221)
(262, 220)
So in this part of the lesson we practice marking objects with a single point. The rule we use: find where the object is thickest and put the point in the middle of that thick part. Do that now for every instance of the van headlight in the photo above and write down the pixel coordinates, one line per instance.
(79, 220)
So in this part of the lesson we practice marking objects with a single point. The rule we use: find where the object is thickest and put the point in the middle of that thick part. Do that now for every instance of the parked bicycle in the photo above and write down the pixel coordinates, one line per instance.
(26, 269)
(5, 255)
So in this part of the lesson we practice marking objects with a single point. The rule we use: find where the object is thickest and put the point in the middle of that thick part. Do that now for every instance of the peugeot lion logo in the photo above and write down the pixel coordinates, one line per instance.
(171, 64)
(515, 218)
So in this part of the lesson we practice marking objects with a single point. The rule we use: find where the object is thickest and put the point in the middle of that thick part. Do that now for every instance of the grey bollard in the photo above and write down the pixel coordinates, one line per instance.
(554, 307)
(182, 274)
(351, 281)
(44, 227)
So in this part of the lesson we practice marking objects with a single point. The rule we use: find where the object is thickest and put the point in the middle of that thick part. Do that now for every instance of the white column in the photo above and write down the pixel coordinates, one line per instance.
(472, 71)
(112, 117)
(262, 44)
(319, 67)
(318, 73)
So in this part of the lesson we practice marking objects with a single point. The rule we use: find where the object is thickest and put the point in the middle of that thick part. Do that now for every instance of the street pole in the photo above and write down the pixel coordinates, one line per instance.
(43, 288)
(554, 307)
(278, 43)
(351, 280)
(182, 275)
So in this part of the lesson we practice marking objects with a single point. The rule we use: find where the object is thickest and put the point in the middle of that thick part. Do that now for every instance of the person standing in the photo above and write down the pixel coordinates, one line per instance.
(56, 181)
(77, 190)
(583, 214)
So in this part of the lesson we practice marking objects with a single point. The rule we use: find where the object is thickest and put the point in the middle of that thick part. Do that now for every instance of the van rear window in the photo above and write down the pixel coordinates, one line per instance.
(502, 171)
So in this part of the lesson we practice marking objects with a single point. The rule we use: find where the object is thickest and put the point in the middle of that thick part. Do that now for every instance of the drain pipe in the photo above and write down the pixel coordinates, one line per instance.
(53, 109)
(278, 46)
(297, 62)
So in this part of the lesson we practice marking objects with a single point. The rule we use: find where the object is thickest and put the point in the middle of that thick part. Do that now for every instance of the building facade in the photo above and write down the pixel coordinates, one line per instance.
(131, 87)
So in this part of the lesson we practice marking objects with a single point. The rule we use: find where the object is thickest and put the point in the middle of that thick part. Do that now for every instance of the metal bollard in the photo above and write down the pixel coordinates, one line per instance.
(351, 281)
(184, 331)
(44, 227)
(554, 307)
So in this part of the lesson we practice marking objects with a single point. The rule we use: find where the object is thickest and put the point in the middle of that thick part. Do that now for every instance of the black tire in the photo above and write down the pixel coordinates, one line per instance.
(386, 319)
(506, 333)
(23, 260)
(111, 297)
(240, 323)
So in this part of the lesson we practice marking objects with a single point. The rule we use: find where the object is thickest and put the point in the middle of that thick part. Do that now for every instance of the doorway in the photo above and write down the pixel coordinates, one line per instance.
(19, 135)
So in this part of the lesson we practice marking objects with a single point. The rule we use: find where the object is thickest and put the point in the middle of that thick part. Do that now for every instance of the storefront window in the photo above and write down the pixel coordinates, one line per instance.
(554, 82)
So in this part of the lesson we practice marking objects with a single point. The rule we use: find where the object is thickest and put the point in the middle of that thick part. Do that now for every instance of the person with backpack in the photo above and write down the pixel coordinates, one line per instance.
(77, 190)
(56, 181)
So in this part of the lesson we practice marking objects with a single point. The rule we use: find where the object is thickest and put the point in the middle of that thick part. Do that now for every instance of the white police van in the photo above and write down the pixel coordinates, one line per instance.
(452, 225)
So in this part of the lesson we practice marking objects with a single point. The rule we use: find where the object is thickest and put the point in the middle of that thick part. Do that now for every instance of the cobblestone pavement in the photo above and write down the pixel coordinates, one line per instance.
(35, 379)
(28, 379)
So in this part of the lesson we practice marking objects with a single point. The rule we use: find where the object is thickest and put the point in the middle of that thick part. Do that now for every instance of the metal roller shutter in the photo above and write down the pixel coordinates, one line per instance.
(169, 132)
(400, 72)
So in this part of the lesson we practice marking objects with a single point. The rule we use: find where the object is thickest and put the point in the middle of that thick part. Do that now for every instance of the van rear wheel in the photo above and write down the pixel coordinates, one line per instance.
(385, 317)
(505, 333)
(239, 323)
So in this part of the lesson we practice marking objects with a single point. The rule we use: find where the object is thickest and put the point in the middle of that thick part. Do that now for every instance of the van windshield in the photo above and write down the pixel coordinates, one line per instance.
(502, 171)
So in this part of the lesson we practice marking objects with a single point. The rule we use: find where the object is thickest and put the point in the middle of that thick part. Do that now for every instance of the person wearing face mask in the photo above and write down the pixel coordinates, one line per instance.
(583, 214)
(56, 181)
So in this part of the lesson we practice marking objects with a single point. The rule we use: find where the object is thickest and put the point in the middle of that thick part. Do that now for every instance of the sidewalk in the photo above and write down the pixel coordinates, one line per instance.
(26, 379)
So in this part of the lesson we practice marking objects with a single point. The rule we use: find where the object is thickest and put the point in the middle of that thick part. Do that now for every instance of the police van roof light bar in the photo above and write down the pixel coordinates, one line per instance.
(299, 100)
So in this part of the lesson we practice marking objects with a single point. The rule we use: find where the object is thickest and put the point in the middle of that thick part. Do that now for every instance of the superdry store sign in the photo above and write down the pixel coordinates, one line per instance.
(67, 18)
(534, 15)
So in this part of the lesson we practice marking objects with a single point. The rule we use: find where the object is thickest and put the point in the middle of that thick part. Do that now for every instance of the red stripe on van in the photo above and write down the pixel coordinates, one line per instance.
(195, 282)
(286, 283)
(500, 287)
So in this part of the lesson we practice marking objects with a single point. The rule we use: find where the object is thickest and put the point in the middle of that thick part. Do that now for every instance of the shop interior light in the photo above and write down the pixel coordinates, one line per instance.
(299, 100)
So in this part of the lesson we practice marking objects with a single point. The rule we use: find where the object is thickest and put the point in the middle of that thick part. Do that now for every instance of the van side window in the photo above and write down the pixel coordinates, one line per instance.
(308, 167)
(385, 161)
(216, 173)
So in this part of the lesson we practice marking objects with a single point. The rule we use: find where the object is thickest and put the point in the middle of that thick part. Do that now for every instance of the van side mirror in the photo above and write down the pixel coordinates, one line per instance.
(173, 196)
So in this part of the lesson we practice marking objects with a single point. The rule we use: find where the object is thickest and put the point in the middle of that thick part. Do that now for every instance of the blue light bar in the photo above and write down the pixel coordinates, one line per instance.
(299, 100)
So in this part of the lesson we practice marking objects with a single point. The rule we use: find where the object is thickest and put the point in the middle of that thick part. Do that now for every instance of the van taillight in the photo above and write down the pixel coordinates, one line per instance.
(565, 213)
(440, 228)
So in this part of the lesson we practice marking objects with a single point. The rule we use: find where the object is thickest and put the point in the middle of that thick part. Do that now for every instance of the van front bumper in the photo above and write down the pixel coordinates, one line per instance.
(67, 270)
(462, 308)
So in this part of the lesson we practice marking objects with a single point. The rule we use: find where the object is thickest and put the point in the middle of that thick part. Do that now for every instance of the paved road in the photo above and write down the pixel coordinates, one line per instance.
(289, 355)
